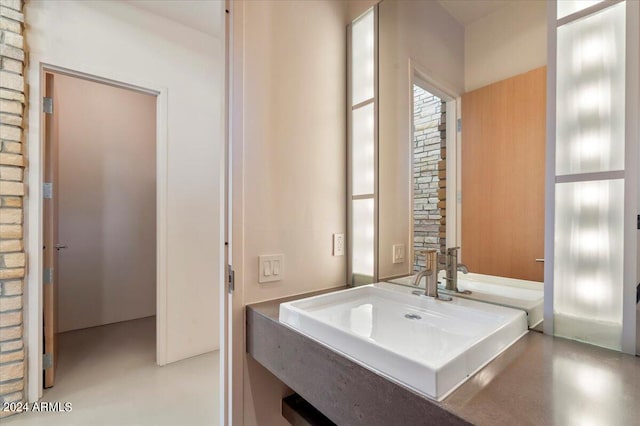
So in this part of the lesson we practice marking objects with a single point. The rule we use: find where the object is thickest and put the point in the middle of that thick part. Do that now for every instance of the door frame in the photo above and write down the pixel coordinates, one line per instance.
(234, 313)
(420, 77)
(226, 296)
(34, 303)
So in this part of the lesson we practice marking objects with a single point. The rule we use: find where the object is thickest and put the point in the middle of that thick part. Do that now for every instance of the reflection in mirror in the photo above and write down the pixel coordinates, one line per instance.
(419, 44)
(503, 155)
(458, 168)
(429, 190)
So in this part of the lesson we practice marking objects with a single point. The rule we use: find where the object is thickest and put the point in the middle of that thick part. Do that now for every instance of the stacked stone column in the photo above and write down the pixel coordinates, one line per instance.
(442, 180)
(429, 174)
(12, 192)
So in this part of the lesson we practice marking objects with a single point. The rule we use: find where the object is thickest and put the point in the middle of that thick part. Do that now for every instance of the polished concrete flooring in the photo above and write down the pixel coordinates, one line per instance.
(110, 376)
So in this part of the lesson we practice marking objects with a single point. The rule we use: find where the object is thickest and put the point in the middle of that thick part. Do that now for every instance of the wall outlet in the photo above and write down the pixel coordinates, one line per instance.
(398, 253)
(271, 268)
(338, 244)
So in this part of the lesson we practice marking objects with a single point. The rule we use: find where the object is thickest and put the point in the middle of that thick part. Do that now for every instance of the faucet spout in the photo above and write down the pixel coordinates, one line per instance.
(431, 274)
(452, 268)
(419, 276)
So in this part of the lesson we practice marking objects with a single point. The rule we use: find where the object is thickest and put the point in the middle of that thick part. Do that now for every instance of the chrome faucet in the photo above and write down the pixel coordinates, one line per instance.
(431, 275)
(452, 267)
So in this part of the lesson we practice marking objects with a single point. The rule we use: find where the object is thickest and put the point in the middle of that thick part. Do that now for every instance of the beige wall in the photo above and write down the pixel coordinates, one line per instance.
(106, 203)
(507, 42)
(356, 8)
(294, 164)
(425, 33)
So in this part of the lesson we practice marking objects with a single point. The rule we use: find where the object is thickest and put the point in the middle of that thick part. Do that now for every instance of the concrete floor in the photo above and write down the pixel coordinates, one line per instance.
(110, 376)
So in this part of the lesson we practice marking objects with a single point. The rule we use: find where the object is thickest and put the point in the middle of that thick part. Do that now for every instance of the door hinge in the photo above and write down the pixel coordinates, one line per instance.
(47, 276)
(459, 124)
(47, 361)
(231, 279)
(47, 105)
(47, 190)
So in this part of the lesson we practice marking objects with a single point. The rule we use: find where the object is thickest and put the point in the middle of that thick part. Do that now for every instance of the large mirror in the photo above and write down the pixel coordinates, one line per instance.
(461, 154)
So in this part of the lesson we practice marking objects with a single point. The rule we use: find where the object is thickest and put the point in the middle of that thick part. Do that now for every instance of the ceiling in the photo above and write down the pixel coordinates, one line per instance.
(468, 11)
(200, 14)
(197, 14)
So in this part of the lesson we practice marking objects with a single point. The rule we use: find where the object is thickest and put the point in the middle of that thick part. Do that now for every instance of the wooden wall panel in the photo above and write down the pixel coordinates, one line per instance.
(503, 155)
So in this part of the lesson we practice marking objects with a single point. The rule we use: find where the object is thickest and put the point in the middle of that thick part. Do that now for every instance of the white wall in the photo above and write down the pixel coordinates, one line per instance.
(106, 190)
(425, 33)
(294, 163)
(507, 42)
(120, 42)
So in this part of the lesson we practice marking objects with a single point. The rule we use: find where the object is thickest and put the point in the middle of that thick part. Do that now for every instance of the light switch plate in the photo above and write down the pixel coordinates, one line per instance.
(271, 268)
(338, 244)
(398, 253)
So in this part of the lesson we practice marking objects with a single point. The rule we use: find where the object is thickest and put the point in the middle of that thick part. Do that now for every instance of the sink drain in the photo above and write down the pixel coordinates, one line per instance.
(412, 316)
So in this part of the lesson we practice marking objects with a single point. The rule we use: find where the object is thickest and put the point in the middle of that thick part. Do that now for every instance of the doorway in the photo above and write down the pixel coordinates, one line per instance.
(434, 171)
(99, 210)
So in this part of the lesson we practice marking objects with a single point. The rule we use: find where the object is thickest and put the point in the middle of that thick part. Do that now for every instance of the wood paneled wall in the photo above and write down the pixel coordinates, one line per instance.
(503, 164)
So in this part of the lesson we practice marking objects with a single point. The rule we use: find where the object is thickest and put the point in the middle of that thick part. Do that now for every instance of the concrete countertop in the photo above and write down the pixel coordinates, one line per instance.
(540, 380)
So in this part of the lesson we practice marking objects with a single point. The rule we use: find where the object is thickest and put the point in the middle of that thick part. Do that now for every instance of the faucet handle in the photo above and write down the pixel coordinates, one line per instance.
(424, 252)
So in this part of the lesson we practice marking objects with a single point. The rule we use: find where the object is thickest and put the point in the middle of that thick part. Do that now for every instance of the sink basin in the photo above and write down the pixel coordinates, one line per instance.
(427, 345)
(510, 292)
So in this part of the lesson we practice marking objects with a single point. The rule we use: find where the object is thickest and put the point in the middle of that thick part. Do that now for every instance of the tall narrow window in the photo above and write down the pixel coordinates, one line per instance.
(363, 147)
(589, 174)
(567, 7)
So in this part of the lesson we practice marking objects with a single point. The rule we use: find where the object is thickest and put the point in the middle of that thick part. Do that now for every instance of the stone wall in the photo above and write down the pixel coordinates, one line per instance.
(428, 139)
(12, 191)
(442, 179)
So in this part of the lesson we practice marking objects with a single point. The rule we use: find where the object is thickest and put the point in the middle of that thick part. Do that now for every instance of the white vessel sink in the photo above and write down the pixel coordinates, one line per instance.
(510, 292)
(427, 345)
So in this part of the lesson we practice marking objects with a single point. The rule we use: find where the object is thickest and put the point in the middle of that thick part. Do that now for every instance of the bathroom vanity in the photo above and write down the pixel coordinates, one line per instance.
(538, 380)
(423, 343)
